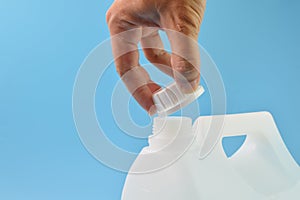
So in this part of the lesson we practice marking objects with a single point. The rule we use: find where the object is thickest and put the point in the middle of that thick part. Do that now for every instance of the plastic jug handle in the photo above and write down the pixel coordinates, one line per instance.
(251, 124)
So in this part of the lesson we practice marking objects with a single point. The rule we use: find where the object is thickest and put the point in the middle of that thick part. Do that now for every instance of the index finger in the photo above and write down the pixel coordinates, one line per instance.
(125, 39)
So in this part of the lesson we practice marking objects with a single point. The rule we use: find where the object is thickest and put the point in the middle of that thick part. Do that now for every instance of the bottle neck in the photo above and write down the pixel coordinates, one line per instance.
(168, 129)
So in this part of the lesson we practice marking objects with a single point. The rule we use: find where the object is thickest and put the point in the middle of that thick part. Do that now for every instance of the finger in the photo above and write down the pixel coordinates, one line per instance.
(125, 38)
(154, 50)
(182, 27)
(140, 85)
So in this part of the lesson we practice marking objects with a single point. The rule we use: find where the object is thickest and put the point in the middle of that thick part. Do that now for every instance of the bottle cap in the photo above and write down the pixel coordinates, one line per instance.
(170, 99)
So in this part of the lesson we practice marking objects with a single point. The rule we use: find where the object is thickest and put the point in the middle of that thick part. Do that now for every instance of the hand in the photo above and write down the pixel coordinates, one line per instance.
(129, 19)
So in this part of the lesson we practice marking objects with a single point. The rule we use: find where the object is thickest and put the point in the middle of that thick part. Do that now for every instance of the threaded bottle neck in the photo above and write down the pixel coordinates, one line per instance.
(167, 129)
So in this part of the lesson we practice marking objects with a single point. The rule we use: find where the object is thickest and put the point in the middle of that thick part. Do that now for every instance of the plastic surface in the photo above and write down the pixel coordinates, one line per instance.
(171, 99)
(261, 169)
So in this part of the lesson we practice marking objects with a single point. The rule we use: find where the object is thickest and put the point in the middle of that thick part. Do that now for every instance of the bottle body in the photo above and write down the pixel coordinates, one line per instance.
(261, 169)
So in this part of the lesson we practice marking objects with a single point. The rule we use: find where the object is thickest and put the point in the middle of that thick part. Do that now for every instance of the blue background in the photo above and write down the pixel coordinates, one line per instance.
(255, 44)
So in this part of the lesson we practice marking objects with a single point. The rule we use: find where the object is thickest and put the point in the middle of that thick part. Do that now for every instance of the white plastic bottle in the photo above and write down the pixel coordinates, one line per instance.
(261, 169)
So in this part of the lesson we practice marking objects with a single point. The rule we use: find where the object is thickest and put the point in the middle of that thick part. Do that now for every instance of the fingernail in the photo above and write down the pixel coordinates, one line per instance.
(188, 87)
(194, 84)
(152, 111)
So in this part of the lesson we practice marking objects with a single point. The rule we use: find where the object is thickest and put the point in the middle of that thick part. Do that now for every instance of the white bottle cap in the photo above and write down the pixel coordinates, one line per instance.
(170, 99)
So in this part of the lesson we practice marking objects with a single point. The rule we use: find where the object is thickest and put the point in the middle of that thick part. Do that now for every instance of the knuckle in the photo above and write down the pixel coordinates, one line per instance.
(111, 17)
(182, 66)
(108, 15)
(187, 17)
(153, 55)
(187, 23)
(185, 70)
(116, 18)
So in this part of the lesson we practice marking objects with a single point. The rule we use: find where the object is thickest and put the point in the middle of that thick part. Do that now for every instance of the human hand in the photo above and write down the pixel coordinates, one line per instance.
(129, 21)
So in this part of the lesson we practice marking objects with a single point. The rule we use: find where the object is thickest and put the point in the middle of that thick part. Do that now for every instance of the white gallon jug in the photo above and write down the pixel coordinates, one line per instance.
(171, 167)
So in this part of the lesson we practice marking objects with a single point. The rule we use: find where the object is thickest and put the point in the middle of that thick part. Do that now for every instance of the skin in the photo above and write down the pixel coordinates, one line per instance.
(184, 16)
